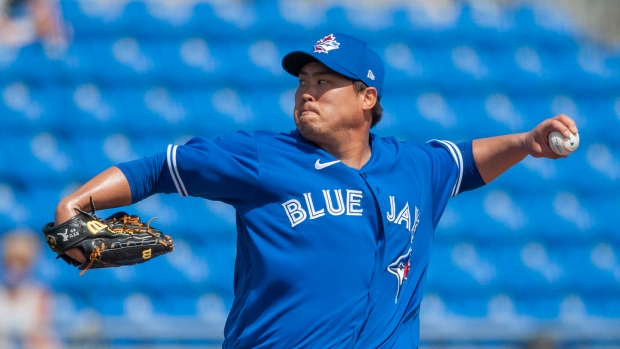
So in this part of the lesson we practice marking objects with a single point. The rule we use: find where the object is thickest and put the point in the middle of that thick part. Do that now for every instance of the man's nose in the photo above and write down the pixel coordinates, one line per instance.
(308, 97)
(309, 93)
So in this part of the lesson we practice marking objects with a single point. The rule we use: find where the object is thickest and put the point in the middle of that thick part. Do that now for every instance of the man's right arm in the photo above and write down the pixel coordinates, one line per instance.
(109, 189)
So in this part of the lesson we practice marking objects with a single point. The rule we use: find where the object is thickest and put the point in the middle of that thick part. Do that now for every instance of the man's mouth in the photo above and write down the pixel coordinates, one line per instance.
(306, 111)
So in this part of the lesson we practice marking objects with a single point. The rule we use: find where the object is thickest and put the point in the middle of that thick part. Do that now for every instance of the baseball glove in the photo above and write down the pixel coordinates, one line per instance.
(118, 240)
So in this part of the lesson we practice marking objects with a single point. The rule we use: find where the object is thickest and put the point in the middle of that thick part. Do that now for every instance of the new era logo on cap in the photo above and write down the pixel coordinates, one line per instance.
(343, 54)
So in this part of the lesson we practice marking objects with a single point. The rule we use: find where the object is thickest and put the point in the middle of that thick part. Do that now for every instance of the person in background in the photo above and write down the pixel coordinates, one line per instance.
(23, 22)
(25, 321)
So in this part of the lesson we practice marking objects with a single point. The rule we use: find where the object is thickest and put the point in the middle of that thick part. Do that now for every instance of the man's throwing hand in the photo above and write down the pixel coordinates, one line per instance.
(537, 139)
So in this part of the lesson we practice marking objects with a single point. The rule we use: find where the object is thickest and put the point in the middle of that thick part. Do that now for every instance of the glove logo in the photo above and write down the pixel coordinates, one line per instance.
(65, 235)
(147, 254)
(51, 241)
(69, 234)
(95, 226)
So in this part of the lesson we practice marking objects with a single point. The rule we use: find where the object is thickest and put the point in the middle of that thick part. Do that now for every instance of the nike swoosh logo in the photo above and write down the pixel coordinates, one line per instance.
(319, 166)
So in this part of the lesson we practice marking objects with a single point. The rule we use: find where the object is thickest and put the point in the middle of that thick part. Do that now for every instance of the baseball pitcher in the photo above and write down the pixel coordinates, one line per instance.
(334, 223)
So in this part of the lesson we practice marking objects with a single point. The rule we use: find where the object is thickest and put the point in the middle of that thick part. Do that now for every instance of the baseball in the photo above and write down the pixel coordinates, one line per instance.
(562, 145)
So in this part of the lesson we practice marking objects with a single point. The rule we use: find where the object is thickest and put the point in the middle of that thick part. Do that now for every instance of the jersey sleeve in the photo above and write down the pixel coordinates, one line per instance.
(143, 175)
(224, 169)
(447, 167)
(454, 171)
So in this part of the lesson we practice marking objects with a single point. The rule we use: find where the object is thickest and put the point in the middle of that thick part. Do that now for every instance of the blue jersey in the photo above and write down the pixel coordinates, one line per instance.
(328, 256)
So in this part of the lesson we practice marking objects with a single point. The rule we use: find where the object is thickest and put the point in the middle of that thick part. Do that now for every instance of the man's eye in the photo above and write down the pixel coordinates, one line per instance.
(302, 82)
(321, 82)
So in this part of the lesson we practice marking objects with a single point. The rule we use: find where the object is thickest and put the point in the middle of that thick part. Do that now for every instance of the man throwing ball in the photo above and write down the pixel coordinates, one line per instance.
(334, 223)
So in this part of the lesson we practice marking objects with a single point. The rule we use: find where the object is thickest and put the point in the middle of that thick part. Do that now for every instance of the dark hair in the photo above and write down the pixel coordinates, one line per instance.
(377, 110)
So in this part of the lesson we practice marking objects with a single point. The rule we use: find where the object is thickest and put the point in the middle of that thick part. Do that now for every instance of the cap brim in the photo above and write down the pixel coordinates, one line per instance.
(294, 61)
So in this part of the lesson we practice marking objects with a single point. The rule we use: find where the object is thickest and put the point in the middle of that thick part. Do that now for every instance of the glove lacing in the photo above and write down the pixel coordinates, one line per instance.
(131, 220)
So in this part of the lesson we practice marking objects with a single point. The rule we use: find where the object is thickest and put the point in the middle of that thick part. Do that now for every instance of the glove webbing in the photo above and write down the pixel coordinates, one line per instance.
(135, 221)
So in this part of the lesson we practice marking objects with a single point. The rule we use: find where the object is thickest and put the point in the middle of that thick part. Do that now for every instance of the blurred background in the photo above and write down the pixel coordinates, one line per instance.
(531, 261)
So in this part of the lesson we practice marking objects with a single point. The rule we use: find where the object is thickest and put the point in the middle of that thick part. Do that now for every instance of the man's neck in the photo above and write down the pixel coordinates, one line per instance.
(354, 153)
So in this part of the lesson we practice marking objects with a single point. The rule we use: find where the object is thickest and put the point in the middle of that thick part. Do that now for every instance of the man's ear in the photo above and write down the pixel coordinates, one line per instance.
(370, 98)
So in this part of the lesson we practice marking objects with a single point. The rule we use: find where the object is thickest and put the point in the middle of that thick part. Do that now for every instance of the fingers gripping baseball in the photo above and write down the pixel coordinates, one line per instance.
(538, 140)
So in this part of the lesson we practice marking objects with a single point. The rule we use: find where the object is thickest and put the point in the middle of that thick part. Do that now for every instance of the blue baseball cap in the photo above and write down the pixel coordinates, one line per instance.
(343, 54)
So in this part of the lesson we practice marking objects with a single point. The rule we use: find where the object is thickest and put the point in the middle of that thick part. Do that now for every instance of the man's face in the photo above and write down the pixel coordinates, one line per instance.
(326, 104)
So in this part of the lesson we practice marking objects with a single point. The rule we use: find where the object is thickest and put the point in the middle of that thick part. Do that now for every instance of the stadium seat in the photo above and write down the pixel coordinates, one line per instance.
(466, 264)
(29, 106)
(43, 157)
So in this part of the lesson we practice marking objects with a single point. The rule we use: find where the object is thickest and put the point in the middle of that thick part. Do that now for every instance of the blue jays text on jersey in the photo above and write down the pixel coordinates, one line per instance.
(327, 255)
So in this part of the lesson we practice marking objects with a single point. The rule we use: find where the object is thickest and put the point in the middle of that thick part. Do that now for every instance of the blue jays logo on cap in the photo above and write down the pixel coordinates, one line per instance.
(343, 54)
(326, 44)
(400, 268)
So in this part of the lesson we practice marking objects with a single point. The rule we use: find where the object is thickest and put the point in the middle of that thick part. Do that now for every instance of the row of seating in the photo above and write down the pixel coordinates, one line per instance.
(522, 269)
(411, 114)
(502, 211)
(452, 21)
(192, 61)
(142, 305)
(509, 209)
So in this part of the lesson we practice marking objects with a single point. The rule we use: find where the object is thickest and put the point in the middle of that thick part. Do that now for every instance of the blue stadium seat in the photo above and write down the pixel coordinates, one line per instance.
(42, 157)
(594, 126)
(594, 161)
(208, 23)
(91, 21)
(421, 117)
(178, 304)
(30, 63)
(270, 109)
(604, 305)
(137, 18)
(532, 267)
(466, 264)
(299, 30)
(120, 60)
(218, 217)
(154, 109)
(536, 177)
(598, 260)
(6, 167)
(189, 61)
(466, 305)
(32, 106)
(97, 108)
(492, 214)
(539, 306)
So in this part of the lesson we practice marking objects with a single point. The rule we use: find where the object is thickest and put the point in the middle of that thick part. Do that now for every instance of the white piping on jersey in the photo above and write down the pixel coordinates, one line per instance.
(458, 158)
(171, 155)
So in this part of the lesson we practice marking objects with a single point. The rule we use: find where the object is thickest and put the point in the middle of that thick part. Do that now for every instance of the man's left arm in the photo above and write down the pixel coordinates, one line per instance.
(495, 155)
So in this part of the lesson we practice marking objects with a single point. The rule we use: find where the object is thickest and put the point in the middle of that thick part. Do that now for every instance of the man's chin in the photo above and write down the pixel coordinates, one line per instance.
(309, 132)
